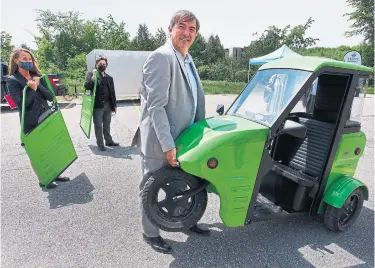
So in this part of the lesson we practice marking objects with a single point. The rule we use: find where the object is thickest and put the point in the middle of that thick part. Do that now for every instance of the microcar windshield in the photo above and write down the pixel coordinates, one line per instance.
(267, 95)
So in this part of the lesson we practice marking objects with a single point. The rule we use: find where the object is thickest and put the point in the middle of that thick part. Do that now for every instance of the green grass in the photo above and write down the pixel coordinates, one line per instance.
(222, 87)
(370, 90)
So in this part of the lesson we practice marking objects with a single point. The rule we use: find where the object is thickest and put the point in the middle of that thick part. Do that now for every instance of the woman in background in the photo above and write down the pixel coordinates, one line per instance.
(23, 70)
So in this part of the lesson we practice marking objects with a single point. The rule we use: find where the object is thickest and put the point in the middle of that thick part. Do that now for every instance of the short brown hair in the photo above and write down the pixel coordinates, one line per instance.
(183, 15)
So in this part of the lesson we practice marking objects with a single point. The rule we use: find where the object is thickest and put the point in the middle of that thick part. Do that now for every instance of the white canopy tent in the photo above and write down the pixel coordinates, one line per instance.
(282, 52)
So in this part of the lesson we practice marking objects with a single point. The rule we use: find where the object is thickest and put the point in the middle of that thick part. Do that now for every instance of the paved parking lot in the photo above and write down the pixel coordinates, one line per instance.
(93, 220)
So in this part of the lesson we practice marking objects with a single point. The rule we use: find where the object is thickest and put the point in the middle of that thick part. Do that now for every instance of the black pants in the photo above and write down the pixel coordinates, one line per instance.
(102, 124)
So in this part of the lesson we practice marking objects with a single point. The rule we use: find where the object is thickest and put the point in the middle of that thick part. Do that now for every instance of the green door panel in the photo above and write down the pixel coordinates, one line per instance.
(88, 110)
(238, 145)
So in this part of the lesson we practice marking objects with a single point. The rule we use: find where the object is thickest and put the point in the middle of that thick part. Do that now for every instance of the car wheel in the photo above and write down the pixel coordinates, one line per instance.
(341, 219)
(160, 204)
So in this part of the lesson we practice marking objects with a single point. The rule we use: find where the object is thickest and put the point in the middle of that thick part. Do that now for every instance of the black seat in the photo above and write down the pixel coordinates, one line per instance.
(309, 154)
(302, 160)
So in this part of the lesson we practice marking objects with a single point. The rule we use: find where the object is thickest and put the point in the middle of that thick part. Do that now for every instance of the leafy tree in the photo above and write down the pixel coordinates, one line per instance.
(65, 32)
(273, 38)
(363, 20)
(336, 53)
(112, 35)
(76, 67)
(197, 50)
(6, 46)
(214, 50)
(270, 40)
(296, 39)
(363, 24)
(45, 56)
(25, 46)
(143, 41)
(65, 39)
(160, 37)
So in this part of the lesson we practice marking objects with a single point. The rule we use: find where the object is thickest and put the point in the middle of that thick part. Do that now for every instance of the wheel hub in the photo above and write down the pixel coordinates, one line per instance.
(349, 209)
(170, 205)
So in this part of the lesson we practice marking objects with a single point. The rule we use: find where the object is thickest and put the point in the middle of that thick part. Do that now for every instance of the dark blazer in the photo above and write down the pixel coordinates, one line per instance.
(36, 101)
(89, 85)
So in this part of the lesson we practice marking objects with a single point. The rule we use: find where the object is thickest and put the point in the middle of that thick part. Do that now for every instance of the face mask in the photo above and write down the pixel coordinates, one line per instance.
(25, 65)
(101, 68)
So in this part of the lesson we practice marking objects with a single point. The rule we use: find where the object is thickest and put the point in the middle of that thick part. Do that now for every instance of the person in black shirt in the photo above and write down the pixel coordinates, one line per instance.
(23, 70)
(105, 102)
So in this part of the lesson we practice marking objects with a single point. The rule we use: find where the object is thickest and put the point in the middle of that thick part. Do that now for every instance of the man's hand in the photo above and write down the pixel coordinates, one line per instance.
(171, 157)
(32, 84)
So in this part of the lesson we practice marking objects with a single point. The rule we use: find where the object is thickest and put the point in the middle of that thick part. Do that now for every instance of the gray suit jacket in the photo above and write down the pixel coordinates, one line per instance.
(167, 103)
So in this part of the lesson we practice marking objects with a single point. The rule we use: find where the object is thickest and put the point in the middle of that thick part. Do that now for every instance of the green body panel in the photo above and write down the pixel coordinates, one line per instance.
(312, 64)
(340, 181)
(49, 146)
(340, 189)
(87, 110)
(238, 145)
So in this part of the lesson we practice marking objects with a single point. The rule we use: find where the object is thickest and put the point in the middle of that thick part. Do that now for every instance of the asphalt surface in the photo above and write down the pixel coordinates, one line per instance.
(93, 220)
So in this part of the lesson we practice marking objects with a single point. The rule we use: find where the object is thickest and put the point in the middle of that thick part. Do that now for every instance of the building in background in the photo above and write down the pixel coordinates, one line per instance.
(235, 52)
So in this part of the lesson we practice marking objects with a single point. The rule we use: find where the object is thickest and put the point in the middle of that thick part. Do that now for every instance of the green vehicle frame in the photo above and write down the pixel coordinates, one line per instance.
(288, 145)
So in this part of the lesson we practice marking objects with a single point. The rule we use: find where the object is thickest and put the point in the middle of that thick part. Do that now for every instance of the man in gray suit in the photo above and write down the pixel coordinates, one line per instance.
(172, 99)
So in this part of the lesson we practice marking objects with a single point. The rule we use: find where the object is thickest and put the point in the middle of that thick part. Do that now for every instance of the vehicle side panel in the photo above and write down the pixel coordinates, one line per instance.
(346, 161)
(238, 146)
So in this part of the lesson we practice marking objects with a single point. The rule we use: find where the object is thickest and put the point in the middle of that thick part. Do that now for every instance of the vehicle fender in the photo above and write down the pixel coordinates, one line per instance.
(341, 188)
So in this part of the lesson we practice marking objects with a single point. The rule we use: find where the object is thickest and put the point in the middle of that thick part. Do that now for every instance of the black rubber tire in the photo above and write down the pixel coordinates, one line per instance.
(332, 214)
(149, 195)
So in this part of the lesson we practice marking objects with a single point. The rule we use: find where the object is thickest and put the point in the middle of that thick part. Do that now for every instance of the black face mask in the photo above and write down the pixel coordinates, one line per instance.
(101, 68)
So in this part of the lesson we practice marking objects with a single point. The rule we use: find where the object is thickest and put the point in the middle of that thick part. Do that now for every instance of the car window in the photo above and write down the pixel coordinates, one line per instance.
(268, 93)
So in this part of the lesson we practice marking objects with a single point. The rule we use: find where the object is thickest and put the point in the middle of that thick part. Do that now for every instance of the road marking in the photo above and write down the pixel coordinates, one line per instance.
(70, 104)
(136, 107)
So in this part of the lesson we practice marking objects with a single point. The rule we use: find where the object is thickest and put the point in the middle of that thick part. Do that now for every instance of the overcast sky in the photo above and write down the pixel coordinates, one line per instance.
(234, 21)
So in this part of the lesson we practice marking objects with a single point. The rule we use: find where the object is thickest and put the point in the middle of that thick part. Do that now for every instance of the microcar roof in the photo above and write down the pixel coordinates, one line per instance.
(312, 64)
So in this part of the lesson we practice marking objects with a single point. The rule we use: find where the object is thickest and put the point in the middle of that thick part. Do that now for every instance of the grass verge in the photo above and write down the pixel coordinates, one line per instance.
(222, 87)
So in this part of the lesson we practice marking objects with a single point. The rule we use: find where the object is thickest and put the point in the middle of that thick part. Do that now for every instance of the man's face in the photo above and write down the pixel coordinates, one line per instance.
(183, 35)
